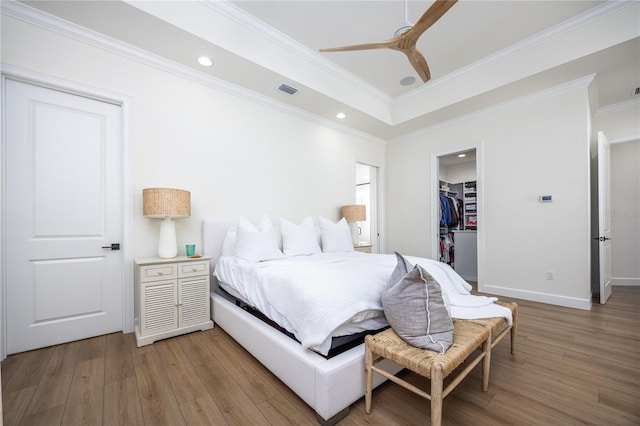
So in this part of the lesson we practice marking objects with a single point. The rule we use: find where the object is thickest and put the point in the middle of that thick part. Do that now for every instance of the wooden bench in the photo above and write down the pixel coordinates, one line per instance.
(468, 336)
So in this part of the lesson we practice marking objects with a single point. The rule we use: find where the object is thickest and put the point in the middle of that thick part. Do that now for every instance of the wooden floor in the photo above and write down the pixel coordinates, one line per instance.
(572, 367)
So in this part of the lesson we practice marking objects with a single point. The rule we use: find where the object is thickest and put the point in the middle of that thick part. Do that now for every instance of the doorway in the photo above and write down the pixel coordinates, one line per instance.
(367, 195)
(457, 180)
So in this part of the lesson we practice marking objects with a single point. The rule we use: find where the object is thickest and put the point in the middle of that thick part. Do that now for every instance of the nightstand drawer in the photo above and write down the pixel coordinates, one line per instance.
(158, 272)
(192, 269)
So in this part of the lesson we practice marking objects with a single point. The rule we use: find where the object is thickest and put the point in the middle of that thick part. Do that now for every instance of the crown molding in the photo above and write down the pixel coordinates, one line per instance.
(249, 22)
(229, 10)
(538, 39)
(581, 83)
(619, 107)
(68, 29)
(548, 36)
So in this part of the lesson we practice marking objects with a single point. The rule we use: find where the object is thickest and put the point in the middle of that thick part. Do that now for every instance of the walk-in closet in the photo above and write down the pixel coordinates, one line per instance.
(458, 219)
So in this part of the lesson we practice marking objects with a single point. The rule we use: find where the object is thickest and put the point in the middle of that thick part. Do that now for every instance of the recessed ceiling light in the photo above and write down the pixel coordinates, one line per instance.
(205, 61)
(462, 155)
(408, 81)
(341, 115)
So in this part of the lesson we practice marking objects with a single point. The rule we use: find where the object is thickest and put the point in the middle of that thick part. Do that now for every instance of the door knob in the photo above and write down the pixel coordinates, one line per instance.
(113, 246)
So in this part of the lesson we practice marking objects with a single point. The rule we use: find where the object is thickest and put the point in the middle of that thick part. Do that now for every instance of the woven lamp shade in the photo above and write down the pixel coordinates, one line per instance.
(166, 202)
(355, 213)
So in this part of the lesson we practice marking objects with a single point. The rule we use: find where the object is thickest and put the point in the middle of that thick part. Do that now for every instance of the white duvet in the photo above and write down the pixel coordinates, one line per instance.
(324, 295)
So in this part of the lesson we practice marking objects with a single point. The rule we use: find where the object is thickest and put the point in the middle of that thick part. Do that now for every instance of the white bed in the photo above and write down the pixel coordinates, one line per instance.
(329, 386)
(345, 288)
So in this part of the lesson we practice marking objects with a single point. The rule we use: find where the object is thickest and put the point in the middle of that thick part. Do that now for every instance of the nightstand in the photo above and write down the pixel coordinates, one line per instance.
(364, 248)
(171, 297)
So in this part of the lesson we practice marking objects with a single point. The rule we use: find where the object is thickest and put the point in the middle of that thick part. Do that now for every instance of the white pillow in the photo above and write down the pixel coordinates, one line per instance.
(266, 224)
(299, 240)
(229, 242)
(336, 237)
(255, 244)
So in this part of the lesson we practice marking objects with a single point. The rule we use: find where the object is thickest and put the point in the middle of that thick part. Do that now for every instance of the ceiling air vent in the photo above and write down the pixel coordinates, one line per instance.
(287, 89)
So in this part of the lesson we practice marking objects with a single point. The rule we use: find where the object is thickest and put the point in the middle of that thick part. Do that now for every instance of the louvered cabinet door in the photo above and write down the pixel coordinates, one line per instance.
(172, 298)
(159, 311)
(193, 304)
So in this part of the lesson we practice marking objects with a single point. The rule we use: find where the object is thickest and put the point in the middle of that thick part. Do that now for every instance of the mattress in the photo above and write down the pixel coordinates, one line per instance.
(325, 295)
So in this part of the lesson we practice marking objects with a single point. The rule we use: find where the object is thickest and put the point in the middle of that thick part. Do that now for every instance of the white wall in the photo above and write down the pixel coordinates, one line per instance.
(236, 156)
(528, 148)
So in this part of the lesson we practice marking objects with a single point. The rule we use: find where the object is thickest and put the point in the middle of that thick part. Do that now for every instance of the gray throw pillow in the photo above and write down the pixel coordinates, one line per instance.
(415, 309)
(403, 266)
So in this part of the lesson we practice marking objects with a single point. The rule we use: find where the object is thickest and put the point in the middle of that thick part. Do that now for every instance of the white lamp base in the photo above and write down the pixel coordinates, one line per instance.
(355, 233)
(167, 246)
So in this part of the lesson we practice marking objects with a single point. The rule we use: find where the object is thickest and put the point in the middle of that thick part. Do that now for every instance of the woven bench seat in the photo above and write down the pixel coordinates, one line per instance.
(468, 336)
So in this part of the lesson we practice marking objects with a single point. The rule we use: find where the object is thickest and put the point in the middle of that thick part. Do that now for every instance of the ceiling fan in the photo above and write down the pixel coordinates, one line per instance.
(405, 39)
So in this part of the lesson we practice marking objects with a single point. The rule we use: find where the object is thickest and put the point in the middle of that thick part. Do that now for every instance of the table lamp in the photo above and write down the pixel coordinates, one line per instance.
(166, 203)
(353, 214)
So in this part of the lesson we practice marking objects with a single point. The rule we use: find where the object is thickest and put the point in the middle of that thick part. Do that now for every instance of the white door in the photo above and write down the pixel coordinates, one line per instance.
(63, 213)
(604, 216)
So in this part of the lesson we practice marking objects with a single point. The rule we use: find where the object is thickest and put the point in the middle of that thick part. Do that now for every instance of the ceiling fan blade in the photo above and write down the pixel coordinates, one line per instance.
(418, 62)
(428, 18)
(388, 44)
(406, 41)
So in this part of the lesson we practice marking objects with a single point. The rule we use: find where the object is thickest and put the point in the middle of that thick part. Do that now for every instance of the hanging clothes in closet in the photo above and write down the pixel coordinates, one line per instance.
(446, 248)
(450, 211)
(451, 215)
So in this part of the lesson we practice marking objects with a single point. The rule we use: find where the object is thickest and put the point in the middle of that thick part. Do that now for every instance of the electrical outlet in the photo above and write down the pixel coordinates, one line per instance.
(550, 275)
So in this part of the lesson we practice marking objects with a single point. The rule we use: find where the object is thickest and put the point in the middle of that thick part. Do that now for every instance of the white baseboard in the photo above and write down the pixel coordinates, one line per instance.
(625, 281)
(533, 296)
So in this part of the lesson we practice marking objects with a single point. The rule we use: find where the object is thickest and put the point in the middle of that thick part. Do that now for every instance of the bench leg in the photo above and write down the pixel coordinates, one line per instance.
(368, 363)
(436, 394)
(514, 332)
(486, 363)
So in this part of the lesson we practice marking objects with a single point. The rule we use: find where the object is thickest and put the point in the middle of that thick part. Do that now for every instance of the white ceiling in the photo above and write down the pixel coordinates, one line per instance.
(480, 52)
(467, 33)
